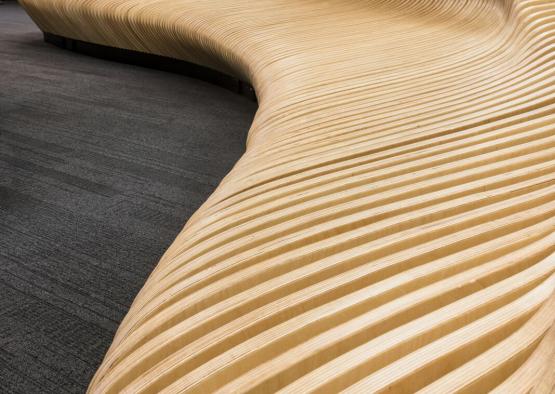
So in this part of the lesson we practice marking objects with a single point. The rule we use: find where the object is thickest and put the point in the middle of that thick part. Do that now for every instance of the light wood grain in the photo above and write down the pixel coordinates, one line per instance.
(390, 227)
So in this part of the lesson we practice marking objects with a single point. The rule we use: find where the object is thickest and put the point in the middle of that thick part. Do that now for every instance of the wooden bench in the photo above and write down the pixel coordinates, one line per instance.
(390, 227)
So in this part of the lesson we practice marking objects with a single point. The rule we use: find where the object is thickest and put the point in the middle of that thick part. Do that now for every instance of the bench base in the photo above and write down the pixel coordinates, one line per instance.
(154, 61)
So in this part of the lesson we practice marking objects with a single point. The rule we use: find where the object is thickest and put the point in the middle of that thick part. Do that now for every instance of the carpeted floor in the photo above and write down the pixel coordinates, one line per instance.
(101, 164)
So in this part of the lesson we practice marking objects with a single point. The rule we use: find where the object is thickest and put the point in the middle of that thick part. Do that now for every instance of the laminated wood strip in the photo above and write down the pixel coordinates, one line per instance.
(391, 225)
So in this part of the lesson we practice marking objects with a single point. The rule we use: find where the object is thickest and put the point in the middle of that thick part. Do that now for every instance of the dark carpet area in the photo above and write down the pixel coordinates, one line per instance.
(101, 164)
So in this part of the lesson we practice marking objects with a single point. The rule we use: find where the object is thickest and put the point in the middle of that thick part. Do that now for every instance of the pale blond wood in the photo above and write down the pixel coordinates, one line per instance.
(391, 224)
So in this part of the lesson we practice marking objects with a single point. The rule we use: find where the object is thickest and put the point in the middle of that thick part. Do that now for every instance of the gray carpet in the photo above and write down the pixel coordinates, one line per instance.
(100, 166)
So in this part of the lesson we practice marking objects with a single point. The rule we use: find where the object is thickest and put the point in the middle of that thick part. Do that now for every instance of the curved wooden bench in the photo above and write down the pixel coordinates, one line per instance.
(391, 224)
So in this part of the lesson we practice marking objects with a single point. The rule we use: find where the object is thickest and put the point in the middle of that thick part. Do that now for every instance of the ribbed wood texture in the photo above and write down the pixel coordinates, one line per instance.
(390, 227)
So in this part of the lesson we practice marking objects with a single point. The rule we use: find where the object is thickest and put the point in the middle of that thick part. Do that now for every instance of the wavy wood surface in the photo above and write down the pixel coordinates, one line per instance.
(390, 227)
